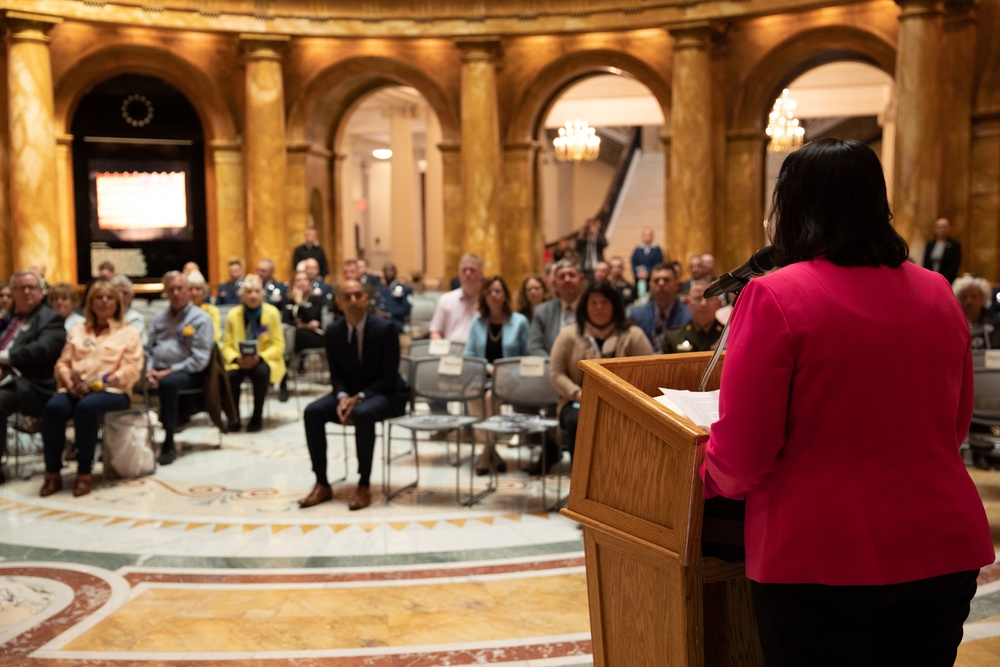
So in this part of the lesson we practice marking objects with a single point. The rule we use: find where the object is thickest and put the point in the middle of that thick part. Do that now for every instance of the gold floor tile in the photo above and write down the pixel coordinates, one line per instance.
(207, 620)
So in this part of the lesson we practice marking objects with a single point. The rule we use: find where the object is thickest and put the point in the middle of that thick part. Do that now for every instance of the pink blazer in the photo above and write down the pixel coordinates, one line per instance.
(846, 394)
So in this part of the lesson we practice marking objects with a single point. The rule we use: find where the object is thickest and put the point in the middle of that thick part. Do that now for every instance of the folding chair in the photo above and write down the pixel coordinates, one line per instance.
(425, 347)
(985, 410)
(460, 379)
(523, 383)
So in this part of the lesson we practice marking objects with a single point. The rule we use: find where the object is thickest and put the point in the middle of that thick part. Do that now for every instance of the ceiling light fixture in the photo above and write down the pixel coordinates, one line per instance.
(577, 141)
(783, 127)
(382, 153)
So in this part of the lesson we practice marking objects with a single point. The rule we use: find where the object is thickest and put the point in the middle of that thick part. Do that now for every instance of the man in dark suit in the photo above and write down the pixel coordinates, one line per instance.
(363, 353)
(311, 248)
(663, 309)
(30, 343)
(943, 254)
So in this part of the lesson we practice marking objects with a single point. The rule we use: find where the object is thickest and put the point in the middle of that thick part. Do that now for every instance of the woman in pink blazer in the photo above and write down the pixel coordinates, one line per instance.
(846, 394)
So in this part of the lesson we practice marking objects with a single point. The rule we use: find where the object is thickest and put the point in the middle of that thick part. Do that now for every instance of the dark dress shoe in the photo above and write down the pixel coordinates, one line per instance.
(82, 485)
(52, 483)
(167, 456)
(320, 494)
(233, 427)
(283, 394)
(254, 426)
(361, 499)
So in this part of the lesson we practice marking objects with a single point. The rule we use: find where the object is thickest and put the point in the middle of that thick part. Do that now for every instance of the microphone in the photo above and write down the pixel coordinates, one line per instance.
(759, 262)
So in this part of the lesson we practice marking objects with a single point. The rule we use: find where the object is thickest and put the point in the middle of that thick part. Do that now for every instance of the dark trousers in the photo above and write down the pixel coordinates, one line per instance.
(8, 406)
(260, 377)
(168, 390)
(86, 414)
(568, 418)
(372, 410)
(913, 623)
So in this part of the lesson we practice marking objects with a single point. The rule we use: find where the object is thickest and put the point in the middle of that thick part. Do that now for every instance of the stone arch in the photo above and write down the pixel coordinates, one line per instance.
(202, 93)
(797, 55)
(330, 96)
(530, 110)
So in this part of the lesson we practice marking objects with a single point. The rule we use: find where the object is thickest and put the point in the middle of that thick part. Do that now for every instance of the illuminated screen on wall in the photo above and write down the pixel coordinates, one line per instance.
(139, 203)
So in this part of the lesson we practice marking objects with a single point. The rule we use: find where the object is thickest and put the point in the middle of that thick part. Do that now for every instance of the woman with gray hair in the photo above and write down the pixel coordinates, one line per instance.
(973, 292)
(199, 292)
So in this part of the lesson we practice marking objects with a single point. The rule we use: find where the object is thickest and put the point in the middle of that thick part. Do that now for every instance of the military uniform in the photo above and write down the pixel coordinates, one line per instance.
(396, 300)
(689, 338)
(275, 293)
(626, 290)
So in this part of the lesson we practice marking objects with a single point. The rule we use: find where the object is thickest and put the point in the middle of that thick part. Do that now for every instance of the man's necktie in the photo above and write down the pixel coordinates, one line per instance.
(659, 326)
(355, 344)
(9, 333)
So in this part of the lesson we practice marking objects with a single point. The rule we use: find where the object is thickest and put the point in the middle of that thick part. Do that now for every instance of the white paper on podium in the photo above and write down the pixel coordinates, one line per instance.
(701, 407)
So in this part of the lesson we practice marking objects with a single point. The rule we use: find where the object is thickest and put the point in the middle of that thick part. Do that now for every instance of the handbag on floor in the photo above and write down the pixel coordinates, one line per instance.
(127, 443)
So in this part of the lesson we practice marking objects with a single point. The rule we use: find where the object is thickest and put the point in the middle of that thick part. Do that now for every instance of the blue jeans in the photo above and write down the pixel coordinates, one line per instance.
(86, 414)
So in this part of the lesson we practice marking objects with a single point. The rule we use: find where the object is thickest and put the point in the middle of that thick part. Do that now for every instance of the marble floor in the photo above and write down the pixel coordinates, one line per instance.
(211, 562)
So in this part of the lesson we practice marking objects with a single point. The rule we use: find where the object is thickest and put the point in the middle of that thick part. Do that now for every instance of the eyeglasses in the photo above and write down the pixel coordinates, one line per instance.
(494, 291)
(25, 288)
(352, 295)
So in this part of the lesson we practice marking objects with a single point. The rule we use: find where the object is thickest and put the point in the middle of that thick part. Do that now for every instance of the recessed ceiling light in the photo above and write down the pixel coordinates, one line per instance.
(382, 153)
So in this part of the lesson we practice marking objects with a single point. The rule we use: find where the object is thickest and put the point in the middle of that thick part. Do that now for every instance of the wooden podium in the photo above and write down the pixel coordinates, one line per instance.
(655, 601)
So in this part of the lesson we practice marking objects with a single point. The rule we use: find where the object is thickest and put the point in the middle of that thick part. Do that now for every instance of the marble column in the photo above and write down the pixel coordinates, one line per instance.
(958, 52)
(454, 224)
(433, 199)
(406, 243)
(6, 232)
(480, 152)
(296, 199)
(66, 211)
(690, 197)
(33, 172)
(521, 234)
(918, 120)
(230, 219)
(340, 187)
(264, 137)
(745, 208)
(983, 233)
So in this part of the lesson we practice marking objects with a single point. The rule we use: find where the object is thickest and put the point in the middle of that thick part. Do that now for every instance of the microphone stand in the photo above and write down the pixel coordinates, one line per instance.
(721, 346)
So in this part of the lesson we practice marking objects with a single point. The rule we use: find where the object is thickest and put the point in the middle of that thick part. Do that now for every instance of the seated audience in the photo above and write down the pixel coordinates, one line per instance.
(455, 310)
(179, 348)
(496, 333)
(319, 288)
(198, 289)
(550, 317)
(363, 353)
(974, 293)
(31, 339)
(303, 310)
(534, 292)
(703, 331)
(132, 317)
(395, 300)
(100, 362)
(616, 277)
(253, 346)
(6, 300)
(274, 291)
(663, 310)
(64, 299)
(601, 331)
(227, 294)
(366, 278)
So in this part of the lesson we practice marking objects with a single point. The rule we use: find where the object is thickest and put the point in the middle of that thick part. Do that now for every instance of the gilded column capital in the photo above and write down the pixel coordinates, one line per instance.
(694, 34)
(529, 147)
(479, 49)
(451, 149)
(258, 46)
(29, 27)
(911, 9)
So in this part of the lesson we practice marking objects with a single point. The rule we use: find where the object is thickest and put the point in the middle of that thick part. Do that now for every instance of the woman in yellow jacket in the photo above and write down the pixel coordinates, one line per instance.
(255, 327)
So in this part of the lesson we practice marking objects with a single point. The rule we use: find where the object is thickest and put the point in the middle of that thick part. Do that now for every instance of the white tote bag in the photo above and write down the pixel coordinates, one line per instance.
(126, 443)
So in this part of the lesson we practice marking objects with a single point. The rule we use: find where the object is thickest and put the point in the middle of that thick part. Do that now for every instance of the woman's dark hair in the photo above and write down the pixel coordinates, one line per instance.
(608, 291)
(484, 309)
(830, 200)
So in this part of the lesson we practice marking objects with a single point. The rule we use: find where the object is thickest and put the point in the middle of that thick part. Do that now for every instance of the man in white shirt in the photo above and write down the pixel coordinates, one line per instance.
(455, 310)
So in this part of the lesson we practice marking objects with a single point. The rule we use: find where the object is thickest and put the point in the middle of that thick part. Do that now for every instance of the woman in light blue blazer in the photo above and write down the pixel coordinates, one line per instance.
(496, 333)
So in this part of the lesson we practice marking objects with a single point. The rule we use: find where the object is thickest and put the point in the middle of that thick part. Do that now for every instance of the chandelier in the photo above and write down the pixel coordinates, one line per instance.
(783, 126)
(577, 141)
